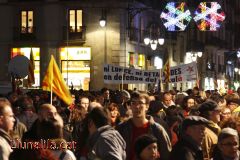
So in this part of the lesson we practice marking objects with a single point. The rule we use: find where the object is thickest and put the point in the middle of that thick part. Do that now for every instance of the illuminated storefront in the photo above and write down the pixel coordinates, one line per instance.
(26, 51)
(209, 84)
(75, 66)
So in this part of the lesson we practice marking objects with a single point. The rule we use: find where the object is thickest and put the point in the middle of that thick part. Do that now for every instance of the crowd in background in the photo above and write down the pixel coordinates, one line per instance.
(122, 125)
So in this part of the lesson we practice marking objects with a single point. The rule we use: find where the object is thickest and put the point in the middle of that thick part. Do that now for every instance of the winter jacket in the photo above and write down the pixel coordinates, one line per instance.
(210, 139)
(164, 143)
(106, 144)
(186, 149)
(5, 145)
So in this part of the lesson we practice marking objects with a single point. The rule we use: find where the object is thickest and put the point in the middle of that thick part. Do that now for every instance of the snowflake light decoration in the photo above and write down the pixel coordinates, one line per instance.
(209, 16)
(176, 16)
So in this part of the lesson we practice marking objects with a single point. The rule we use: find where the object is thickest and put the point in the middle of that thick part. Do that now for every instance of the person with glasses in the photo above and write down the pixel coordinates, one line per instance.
(227, 146)
(141, 124)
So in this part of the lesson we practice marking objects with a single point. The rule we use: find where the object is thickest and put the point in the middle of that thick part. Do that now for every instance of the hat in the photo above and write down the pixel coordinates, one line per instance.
(227, 132)
(209, 105)
(193, 120)
(155, 107)
(142, 142)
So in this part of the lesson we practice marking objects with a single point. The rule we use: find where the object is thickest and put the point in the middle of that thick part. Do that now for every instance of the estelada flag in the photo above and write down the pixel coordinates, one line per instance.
(53, 80)
(31, 67)
(166, 72)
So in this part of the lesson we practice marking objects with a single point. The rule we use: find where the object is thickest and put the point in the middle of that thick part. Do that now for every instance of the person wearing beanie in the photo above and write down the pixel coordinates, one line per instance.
(227, 146)
(146, 148)
(189, 145)
(211, 111)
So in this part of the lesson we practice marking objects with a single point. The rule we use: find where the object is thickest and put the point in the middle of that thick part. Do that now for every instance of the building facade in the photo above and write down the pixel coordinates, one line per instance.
(70, 31)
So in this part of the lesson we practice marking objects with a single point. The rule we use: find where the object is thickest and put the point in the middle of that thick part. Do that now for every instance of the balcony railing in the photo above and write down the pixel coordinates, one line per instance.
(24, 33)
(74, 34)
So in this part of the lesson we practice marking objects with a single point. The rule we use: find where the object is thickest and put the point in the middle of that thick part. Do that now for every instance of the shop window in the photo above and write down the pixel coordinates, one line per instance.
(75, 20)
(36, 57)
(26, 21)
(75, 66)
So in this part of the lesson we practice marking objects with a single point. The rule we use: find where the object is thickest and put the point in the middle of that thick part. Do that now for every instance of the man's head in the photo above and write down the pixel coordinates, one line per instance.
(228, 143)
(194, 126)
(6, 115)
(210, 110)
(167, 99)
(105, 93)
(97, 118)
(139, 104)
(47, 111)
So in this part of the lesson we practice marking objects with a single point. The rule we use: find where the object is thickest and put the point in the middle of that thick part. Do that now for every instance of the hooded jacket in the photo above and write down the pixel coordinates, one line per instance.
(106, 144)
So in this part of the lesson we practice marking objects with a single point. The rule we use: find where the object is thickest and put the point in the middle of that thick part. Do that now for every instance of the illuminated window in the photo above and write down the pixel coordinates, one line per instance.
(158, 62)
(26, 21)
(36, 57)
(131, 59)
(75, 20)
(141, 60)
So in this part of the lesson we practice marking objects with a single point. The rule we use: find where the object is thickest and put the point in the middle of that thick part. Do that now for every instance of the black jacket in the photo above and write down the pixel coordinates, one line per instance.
(185, 149)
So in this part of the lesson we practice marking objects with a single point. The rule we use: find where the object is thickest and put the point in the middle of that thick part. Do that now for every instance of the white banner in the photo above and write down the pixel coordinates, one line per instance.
(118, 74)
(183, 73)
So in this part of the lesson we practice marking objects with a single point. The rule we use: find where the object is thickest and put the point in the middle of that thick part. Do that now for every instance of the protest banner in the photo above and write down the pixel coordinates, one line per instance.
(183, 73)
(117, 75)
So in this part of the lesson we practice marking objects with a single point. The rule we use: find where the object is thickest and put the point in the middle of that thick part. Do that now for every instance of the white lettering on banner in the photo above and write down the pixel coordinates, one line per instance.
(118, 74)
(183, 73)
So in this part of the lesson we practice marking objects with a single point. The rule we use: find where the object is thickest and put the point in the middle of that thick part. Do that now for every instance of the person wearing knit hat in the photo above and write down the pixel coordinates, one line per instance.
(146, 148)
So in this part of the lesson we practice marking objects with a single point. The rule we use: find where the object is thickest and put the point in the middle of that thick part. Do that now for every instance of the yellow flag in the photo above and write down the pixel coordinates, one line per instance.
(166, 72)
(54, 77)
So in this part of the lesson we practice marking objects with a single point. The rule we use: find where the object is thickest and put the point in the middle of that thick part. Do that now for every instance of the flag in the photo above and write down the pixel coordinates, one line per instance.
(31, 67)
(53, 80)
(166, 72)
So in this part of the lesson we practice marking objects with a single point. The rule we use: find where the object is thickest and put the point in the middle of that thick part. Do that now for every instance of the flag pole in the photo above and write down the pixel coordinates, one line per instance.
(160, 81)
(51, 83)
(122, 81)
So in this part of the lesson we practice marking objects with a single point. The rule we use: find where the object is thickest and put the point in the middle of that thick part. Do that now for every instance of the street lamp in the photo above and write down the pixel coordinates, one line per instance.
(153, 37)
(194, 55)
(103, 20)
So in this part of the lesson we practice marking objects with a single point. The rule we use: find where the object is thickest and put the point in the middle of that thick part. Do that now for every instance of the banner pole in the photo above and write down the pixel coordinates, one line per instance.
(122, 81)
(160, 81)
(51, 82)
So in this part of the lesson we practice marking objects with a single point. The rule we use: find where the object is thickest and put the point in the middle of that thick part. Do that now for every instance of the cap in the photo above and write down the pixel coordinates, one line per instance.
(193, 120)
(209, 105)
(142, 142)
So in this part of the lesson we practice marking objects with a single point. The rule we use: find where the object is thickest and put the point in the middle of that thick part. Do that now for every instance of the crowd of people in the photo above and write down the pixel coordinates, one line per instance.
(120, 125)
